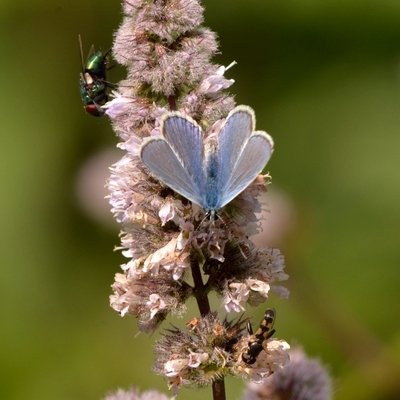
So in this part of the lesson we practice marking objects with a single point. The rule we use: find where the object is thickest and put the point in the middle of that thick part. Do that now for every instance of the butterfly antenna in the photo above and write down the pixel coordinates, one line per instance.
(220, 218)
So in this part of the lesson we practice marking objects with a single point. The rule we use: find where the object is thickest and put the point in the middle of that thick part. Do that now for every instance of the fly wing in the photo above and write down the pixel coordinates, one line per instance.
(81, 53)
(243, 153)
(176, 156)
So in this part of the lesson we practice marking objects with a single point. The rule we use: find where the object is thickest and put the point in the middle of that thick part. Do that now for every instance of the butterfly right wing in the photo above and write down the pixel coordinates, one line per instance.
(232, 139)
(176, 156)
(252, 160)
(243, 152)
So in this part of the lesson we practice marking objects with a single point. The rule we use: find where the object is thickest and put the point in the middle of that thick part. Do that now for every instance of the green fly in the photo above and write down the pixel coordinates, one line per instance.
(92, 81)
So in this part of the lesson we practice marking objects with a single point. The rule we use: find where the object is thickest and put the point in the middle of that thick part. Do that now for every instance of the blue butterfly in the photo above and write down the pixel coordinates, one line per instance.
(213, 171)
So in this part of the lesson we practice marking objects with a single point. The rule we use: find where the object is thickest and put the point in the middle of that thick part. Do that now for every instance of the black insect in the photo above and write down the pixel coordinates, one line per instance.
(257, 340)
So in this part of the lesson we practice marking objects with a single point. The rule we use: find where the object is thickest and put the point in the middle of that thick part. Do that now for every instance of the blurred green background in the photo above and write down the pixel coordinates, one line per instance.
(324, 79)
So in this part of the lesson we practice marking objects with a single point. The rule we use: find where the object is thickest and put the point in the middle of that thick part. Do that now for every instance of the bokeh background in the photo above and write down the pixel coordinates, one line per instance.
(324, 79)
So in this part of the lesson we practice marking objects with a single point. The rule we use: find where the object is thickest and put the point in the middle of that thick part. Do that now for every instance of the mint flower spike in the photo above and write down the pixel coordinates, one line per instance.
(211, 350)
(303, 378)
(173, 253)
(133, 394)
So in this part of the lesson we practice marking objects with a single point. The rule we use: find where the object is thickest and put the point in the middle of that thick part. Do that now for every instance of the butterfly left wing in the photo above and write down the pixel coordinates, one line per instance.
(176, 156)
(184, 136)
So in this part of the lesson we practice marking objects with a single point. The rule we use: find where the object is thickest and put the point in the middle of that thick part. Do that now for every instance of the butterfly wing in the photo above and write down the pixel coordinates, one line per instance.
(232, 139)
(176, 156)
(243, 153)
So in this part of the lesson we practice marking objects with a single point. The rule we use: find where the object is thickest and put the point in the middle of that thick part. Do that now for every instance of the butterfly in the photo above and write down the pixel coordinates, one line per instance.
(208, 171)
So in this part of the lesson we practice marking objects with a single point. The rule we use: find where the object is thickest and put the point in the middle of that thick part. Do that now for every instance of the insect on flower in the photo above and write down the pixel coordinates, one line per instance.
(256, 342)
(208, 171)
(92, 81)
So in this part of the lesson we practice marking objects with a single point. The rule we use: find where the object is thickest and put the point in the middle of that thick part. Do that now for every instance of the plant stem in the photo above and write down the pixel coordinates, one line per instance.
(218, 388)
(199, 288)
(172, 103)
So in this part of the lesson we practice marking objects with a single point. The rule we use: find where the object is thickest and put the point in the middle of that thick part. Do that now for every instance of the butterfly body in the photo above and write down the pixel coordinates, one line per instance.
(211, 200)
(208, 171)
